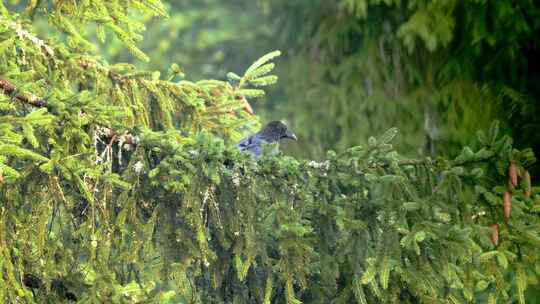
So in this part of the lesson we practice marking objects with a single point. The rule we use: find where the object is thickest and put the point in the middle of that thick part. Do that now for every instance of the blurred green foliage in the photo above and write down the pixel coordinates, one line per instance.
(205, 38)
(435, 69)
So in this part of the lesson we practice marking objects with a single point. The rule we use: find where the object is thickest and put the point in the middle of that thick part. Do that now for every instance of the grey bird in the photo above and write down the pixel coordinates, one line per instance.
(273, 132)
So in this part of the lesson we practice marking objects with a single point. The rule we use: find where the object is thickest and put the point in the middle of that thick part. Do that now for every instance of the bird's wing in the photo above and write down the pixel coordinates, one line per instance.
(245, 143)
(251, 143)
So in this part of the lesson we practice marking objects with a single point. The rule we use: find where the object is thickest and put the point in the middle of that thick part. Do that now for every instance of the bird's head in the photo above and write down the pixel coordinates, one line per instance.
(275, 131)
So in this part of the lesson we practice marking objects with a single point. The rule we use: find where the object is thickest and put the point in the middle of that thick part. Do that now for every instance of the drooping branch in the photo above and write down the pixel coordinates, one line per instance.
(9, 89)
(88, 63)
(24, 34)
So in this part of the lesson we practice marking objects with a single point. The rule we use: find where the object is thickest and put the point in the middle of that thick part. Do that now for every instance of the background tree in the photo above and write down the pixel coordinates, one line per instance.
(123, 185)
(436, 70)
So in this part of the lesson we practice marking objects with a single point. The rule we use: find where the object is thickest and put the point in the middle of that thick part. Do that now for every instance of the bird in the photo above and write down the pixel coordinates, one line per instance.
(273, 132)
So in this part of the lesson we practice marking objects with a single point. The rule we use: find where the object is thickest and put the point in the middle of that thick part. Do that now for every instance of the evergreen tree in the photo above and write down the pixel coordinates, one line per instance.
(119, 186)
(435, 69)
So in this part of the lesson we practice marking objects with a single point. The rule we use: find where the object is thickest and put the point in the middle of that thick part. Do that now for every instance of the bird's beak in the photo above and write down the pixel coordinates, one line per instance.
(290, 135)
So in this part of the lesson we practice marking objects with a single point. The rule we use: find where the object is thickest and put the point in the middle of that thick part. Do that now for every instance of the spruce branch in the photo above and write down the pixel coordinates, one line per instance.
(402, 163)
(24, 34)
(9, 89)
(49, 51)
(104, 70)
(154, 86)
